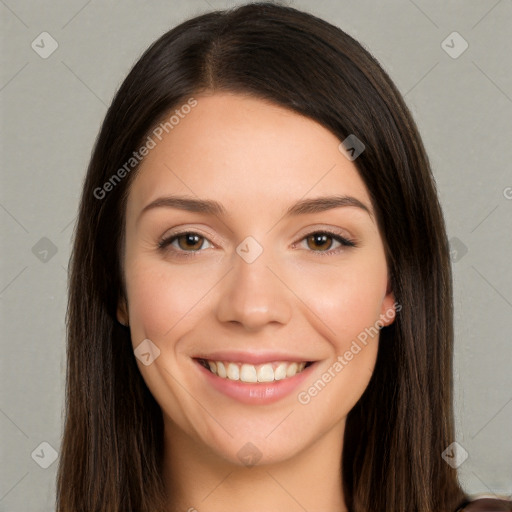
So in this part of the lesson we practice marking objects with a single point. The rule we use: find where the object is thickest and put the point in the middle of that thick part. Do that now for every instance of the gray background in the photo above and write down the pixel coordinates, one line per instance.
(51, 112)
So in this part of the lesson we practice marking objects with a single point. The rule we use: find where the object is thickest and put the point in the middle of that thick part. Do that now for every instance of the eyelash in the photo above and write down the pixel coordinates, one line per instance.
(345, 242)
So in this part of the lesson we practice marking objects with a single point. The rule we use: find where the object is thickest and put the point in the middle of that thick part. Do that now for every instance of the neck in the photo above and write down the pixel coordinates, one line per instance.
(200, 480)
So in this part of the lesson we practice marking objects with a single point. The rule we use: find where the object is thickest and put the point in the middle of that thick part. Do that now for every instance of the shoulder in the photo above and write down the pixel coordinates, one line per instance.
(486, 504)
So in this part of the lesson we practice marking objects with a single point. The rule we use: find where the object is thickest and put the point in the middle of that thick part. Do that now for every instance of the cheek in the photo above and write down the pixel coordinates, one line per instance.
(346, 299)
(348, 305)
(162, 299)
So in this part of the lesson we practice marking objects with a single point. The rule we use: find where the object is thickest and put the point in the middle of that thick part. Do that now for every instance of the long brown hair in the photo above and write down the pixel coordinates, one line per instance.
(113, 435)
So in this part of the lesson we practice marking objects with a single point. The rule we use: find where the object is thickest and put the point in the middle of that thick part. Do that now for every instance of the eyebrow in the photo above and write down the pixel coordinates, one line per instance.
(302, 207)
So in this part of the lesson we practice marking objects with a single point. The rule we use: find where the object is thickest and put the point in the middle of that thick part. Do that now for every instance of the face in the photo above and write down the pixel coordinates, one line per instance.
(255, 267)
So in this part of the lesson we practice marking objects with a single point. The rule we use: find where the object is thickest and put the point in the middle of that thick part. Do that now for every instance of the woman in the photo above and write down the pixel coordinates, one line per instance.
(260, 307)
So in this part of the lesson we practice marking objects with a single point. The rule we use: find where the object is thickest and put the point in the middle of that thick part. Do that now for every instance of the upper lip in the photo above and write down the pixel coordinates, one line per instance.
(253, 357)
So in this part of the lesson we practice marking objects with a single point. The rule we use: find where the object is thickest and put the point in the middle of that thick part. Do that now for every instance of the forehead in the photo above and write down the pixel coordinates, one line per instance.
(244, 151)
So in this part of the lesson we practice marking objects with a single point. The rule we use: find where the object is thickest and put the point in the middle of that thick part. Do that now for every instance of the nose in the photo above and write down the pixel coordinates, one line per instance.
(253, 296)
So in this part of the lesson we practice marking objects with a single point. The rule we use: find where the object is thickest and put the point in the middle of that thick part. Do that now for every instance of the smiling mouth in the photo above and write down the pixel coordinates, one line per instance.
(243, 372)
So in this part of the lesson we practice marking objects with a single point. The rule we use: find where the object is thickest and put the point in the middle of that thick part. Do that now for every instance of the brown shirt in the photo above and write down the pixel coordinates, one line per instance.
(487, 505)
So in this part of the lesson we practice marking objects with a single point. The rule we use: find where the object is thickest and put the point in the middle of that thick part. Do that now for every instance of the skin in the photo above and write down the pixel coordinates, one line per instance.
(256, 159)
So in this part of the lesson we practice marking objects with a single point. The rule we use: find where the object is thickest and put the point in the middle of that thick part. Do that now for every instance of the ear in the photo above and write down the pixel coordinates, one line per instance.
(122, 312)
(389, 308)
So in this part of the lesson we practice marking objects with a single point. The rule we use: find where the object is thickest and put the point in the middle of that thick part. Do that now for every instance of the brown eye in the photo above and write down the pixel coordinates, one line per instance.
(185, 243)
(319, 241)
(190, 241)
(326, 242)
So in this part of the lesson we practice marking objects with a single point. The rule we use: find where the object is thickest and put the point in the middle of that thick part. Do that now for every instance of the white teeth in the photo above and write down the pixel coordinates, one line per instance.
(268, 372)
(291, 370)
(280, 372)
(221, 370)
(248, 373)
(265, 373)
(233, 371)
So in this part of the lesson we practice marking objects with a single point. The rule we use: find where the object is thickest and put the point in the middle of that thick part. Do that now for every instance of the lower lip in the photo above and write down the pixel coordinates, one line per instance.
(255, 393)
